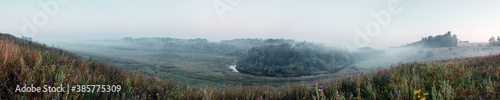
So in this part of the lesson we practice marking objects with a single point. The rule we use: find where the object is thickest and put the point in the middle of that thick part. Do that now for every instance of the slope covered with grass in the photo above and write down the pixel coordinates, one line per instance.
(25, 62)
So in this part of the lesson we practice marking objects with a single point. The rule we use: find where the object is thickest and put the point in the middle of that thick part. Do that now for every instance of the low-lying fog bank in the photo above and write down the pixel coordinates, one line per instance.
(393, 56)
(390, 56)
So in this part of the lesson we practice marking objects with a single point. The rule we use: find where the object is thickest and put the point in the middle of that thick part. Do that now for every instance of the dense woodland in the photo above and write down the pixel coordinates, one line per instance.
(288, 60)
(446, 40)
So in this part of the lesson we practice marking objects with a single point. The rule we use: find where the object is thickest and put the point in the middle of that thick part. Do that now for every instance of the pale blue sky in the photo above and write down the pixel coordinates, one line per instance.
(326, 21)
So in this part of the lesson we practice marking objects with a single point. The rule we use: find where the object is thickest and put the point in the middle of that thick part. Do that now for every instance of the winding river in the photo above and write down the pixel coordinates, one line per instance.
(233, 67)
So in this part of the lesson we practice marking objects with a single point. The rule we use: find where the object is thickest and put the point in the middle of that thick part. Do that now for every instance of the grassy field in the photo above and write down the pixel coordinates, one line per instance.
(25, 62)
(193, 68)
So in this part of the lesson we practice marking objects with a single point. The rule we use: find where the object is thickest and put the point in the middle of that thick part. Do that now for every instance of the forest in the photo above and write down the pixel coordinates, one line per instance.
(289, 60)
(446, 40)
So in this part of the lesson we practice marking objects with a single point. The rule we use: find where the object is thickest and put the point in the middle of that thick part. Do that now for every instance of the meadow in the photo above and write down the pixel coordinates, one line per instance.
(206, 69)
(27, 62)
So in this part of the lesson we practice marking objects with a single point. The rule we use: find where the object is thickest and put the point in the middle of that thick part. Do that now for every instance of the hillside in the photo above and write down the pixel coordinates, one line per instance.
(25, 62)
(28, 63)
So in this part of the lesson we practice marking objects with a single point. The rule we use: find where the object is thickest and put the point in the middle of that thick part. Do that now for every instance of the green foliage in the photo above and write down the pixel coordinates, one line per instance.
(287, 60)
(235, 47)
(446, 40)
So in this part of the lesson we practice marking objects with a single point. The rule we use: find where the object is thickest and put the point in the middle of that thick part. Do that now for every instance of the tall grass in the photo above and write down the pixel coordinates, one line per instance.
(25, 62)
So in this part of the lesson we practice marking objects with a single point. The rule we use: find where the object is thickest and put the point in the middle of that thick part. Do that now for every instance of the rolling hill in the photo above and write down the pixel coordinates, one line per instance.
(23, 62)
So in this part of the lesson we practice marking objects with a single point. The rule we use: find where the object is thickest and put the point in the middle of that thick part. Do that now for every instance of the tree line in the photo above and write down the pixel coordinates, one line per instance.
(234, 47)
(494, 42)
(265, 57)
(446, 40)
(289, 60)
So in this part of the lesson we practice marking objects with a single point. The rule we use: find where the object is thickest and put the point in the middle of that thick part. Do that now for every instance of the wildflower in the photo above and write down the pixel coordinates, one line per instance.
(426, 93)
(399, 92)
(314, 85)
(320, 87)
(418, 91)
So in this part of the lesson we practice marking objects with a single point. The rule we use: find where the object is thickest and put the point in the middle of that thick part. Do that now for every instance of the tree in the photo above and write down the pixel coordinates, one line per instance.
(492, 41)
(446, 40)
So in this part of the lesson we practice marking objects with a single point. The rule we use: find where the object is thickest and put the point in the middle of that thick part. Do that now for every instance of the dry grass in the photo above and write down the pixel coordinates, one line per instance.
(25, 62)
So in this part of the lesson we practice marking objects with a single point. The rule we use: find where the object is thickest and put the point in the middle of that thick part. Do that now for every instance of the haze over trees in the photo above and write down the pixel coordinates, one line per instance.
(494, 42)
(446, 40)
(289, 60)
(234, 47)
(264, 57)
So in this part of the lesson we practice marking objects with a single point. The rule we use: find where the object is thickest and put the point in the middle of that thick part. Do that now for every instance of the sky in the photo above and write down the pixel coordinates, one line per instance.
(324, 21)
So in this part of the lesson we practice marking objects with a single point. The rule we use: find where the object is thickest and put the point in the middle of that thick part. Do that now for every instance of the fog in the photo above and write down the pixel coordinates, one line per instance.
(325, 21)
(95, 29)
